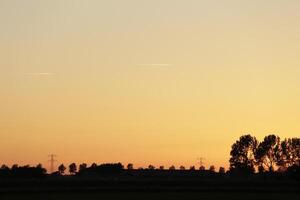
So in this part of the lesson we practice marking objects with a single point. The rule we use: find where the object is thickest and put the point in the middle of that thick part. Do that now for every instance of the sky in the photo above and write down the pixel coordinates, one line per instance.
(159, 82)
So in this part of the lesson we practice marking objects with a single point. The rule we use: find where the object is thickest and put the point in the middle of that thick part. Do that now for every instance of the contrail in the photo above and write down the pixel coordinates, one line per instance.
(156, 64)
(40, 74)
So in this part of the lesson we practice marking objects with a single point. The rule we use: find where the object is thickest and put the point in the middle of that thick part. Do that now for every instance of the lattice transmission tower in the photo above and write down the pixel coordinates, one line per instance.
(52, 161)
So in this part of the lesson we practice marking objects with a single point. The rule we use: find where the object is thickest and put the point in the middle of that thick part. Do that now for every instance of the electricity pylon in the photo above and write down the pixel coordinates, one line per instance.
(52, 160)
(200, 161)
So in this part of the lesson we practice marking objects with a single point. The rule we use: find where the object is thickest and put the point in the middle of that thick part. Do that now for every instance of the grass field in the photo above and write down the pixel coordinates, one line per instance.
(151, 196)
(152, 188)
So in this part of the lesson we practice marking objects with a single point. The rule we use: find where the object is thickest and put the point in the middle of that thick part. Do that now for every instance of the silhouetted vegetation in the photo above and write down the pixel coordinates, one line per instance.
(104, 169)
(222, 170)
(248, 155)
(212, 169)
(82, 167)
(242, 155)
(22, 171)
(151, 167)
(73, 168)
(272, 159)
(61, 169)
(130, 166)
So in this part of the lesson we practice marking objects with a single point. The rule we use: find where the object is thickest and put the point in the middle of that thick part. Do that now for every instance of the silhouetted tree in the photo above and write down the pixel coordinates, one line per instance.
(106, 169)
(72, 168)
(4, 167)
(172, 168)
(202, 168)
(285, 156)
(267, 151)
(161, 167)
(182, 167)
(41, 169)
(243, 154)
(4, 171)
(82, 167)
(192, 168)
(94, 165)
(151, 167)
(14, 166)
(295, 160)
(130, 166)
(289, 154)
(212, 169)
(222, 170)
(61, 169)
(23, 171)
(39, 165)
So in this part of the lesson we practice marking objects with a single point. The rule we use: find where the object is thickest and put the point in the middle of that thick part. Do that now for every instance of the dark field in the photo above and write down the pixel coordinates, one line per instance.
(152, 184)
(148, 188)
(153, 196)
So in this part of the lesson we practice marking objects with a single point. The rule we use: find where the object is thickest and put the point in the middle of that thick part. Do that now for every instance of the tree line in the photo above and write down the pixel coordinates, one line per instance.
(22, 171)
(248, 155)
(118, 167)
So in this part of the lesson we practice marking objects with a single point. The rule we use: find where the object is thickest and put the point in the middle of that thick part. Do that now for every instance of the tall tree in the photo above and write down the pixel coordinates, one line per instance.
(72, 168)
(94, 165)
(202, 168)
(151, 167)
(222, 170)
(5, 167)
(61, 169)
(130, 166)
(41, 168)
(267, 152)
(82, 167)
(242, 154)
(289, 154)
(212, 169)
(296, 151)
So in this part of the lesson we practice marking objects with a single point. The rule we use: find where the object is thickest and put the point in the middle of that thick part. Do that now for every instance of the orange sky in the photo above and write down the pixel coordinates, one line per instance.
(146, 82)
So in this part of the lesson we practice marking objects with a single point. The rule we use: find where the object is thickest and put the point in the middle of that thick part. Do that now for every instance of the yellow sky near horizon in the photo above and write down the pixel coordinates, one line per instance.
(147, 82)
